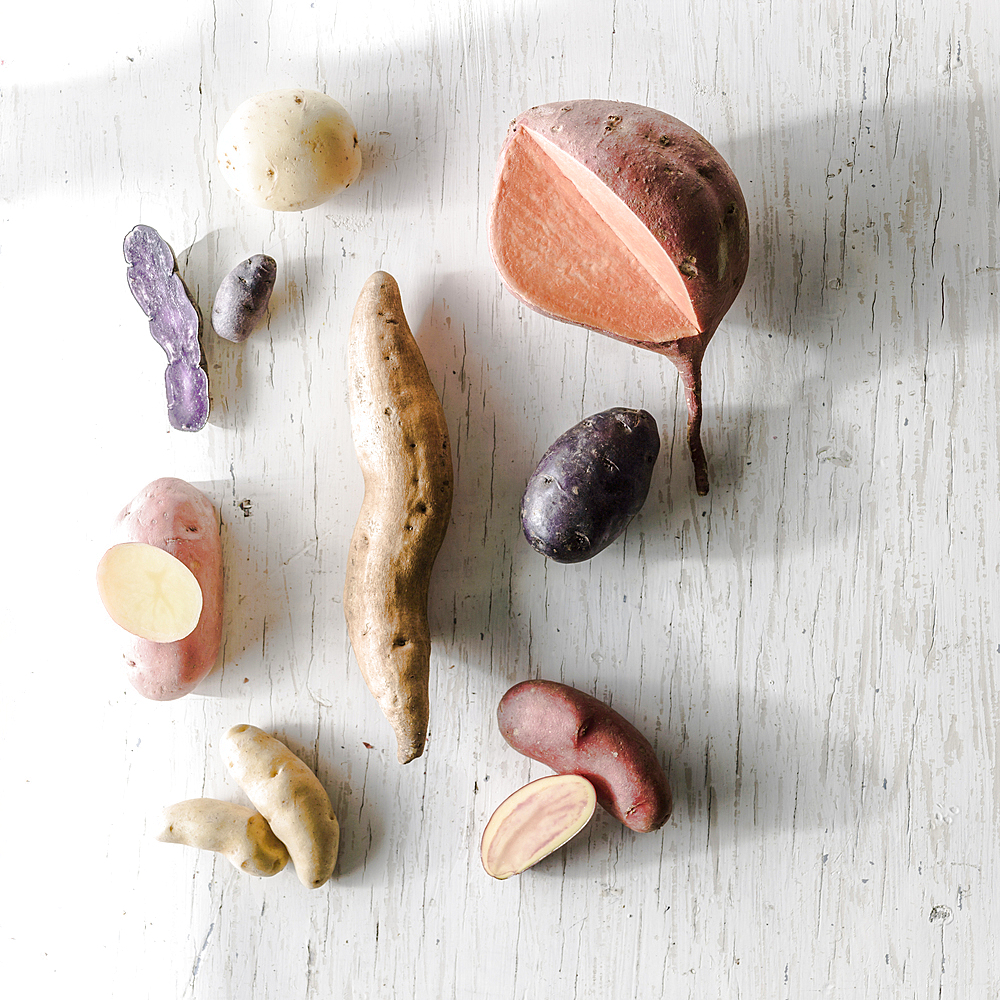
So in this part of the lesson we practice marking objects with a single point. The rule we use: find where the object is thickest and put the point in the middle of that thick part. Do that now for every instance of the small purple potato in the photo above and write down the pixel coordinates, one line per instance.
(173, 323)
(589, 484)
(242, 298)
(574, 733)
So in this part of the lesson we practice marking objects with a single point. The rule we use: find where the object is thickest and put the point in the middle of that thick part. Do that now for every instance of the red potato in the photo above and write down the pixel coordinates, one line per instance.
(173, 515)
(574, 733)
(624, 220)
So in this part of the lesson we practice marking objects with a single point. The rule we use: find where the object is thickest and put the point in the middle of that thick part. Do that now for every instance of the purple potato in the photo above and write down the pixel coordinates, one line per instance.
(589, 484)
(173, 324)
(242, 298)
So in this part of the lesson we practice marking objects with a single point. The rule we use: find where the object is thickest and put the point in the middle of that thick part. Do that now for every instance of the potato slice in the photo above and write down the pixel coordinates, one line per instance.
(149, 592)
(535, 821)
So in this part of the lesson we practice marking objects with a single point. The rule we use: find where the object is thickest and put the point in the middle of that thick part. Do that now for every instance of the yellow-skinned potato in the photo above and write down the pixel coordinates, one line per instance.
(286, 792)
(401, 439)
(239, 834)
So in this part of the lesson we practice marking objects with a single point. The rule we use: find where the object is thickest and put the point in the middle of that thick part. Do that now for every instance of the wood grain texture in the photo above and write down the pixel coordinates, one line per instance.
(813, 648)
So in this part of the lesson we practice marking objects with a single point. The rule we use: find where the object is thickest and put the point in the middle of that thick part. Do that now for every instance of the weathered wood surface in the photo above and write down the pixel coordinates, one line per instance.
(813, 647)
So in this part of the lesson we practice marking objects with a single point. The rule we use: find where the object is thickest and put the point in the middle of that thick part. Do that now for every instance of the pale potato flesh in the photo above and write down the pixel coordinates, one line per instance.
(149, 592)
(535, 821)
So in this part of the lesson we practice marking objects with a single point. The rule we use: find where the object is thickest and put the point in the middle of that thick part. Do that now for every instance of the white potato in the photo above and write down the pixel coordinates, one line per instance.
(289, 150)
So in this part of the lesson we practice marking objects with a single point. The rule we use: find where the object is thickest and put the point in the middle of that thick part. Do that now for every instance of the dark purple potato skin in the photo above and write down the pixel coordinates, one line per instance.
(242, 298)
(590, 483)
(173, 324)
(574, 733)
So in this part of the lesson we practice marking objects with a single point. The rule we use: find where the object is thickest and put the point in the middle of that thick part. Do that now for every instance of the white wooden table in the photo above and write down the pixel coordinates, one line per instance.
(814, 647)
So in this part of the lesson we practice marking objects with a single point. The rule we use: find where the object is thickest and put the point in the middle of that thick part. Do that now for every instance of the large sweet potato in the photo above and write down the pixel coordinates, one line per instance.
(401, 437)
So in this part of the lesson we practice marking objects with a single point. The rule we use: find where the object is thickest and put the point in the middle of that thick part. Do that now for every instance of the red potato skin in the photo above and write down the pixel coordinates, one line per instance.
(574, 733)
(175, 516)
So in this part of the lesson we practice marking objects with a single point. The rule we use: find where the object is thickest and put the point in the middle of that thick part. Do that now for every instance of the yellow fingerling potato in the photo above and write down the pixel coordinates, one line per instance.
(286, 792)
(239, 834)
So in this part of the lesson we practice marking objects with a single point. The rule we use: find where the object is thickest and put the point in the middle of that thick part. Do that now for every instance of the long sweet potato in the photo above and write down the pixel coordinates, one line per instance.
(404, 451)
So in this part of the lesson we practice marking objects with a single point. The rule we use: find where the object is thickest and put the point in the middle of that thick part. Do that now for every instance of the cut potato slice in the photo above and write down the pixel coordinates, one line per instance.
(149, 592)
(535, 821)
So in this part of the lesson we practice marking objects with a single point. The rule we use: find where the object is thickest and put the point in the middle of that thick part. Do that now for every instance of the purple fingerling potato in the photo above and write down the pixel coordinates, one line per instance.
(173, 324)
(242, 298)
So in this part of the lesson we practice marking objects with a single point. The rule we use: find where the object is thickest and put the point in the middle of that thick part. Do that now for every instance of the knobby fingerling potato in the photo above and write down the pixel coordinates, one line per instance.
(404, 451)
(176, 517)
(591, 481)
(287, 793)
(574, 733)
(239, 834)
(622, 219)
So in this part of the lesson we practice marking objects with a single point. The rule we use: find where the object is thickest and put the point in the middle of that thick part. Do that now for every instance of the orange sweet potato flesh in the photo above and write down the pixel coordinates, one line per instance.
(624, 220)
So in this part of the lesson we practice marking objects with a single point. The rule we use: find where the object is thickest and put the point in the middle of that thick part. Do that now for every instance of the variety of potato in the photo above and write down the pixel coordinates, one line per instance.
(606, 215)
(173, 323)
(591, 481)
(574, 733)
(289, 150)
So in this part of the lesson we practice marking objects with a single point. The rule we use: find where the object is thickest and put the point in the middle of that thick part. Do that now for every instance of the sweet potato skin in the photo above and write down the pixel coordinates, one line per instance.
(404, 450)
(574, 733)
(670, 177)
(177, 517)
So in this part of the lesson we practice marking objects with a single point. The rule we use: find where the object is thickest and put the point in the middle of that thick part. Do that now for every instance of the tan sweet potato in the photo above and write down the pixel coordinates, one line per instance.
(173, 515)
(404, 451)
(574, 733)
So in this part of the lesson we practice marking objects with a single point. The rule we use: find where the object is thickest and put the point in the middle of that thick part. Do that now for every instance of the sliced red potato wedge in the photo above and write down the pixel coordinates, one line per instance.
(623, 220)
(149, 592)
(535, 821)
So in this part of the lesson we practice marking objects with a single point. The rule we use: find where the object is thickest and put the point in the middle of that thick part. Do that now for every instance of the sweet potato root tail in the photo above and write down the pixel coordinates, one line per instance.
(687, 354)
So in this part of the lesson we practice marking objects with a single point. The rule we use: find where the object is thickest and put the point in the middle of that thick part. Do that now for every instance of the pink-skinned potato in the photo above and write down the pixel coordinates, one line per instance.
(574, 733)
(178, 518)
